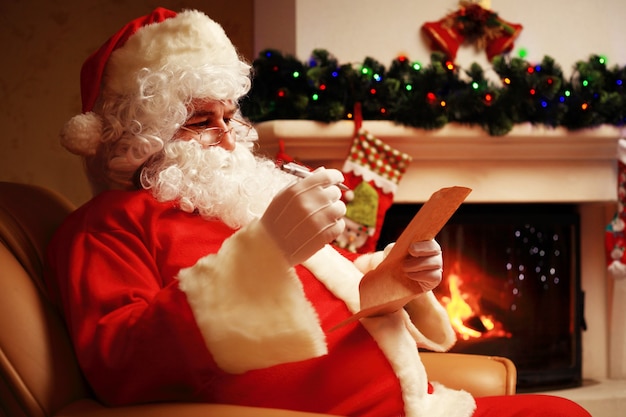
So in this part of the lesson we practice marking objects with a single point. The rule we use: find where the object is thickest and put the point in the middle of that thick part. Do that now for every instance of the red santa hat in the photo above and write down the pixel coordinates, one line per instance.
(161, 38)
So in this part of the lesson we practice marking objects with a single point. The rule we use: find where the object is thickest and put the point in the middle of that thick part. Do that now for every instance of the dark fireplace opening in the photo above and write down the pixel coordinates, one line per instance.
(511, 285)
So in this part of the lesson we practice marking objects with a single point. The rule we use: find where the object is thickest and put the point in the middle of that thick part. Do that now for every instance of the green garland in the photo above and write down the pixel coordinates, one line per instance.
(429, 96)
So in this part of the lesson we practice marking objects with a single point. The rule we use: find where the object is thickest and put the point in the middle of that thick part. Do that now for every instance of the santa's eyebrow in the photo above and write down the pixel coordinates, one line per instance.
(202, 113)
(210, 113)
(231, 111)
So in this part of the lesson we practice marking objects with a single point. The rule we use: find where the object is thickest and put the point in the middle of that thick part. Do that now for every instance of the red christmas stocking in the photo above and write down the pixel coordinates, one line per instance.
(282, 157)
(373, 171)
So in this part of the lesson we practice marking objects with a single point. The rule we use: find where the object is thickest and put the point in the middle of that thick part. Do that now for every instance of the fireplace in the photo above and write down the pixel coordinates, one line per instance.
(530, 165)
(512, 285)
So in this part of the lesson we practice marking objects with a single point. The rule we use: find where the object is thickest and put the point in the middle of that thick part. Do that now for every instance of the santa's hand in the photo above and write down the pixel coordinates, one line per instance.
(424, 264)
(306, 215)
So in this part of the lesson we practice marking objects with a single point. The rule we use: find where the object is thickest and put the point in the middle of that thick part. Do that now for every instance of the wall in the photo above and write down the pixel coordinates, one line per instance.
(45, 43)
(567, 30)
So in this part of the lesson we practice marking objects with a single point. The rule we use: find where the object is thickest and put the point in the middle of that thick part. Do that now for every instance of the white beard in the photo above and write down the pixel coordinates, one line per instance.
(235, 187)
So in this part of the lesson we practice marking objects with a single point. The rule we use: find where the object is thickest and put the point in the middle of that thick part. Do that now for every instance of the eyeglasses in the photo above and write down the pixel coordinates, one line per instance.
(212, 136)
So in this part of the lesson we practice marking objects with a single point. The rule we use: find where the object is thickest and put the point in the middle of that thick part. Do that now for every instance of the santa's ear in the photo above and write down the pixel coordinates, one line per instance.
(82, 134)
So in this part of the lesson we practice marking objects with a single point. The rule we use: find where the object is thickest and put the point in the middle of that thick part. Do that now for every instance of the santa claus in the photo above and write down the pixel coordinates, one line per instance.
(201, 272)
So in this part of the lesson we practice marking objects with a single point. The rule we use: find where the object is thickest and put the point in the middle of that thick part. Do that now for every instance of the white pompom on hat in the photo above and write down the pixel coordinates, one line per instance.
(81, 134)
(161, 38)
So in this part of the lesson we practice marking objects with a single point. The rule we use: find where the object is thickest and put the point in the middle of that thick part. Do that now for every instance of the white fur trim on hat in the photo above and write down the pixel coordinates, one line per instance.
(191, 39)
(81, 134)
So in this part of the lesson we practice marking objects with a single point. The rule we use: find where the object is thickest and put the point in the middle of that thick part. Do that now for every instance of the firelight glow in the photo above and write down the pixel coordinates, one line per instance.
(459, 311)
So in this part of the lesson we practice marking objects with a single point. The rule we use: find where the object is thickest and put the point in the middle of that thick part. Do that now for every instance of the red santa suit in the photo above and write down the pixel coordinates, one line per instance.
(165, 305)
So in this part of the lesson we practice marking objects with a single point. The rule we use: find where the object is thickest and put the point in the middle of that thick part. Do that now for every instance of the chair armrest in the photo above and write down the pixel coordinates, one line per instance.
(480, 375)
(89, 408)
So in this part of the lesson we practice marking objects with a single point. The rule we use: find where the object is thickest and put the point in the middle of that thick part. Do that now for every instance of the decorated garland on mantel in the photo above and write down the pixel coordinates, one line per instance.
(430, 96)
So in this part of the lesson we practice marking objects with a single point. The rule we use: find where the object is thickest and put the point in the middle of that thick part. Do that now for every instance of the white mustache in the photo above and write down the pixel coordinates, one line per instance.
(234, 187)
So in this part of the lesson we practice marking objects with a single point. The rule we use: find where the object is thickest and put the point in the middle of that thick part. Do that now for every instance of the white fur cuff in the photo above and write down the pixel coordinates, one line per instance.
(430, 324)
(250, 305)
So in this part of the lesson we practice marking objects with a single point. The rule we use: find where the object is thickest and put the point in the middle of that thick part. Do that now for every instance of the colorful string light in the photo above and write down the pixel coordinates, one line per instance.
(536, 92)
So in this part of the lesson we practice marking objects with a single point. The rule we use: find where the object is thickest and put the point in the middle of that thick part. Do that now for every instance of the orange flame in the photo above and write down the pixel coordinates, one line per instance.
(459, 311)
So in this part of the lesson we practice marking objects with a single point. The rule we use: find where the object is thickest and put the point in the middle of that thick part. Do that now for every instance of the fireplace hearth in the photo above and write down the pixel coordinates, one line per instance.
(512, 285)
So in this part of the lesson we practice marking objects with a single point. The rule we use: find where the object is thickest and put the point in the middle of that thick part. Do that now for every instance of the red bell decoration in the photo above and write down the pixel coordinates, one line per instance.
(443, 37)
(471, 24)
(504, 41)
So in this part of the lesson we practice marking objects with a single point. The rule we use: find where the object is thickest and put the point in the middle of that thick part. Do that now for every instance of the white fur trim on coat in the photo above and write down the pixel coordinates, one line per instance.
(250, 305)
(431, 322)
(398, 338)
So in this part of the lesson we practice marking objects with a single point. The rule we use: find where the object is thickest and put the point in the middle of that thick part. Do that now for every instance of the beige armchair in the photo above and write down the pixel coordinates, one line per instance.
(39, 375)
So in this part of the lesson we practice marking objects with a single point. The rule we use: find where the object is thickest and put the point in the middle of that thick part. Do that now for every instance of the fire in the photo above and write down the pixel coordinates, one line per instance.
(459, 311)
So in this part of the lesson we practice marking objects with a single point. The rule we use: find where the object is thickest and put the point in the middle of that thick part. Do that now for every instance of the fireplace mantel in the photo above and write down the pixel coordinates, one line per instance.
(530, 164)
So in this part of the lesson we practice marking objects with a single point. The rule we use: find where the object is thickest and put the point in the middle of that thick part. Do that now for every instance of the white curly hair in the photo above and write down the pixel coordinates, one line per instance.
(146, 91)
(135, 128)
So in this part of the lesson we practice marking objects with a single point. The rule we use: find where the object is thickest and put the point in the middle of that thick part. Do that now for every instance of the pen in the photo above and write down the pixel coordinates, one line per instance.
(303, 172)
